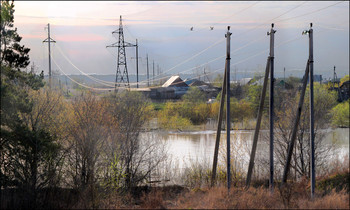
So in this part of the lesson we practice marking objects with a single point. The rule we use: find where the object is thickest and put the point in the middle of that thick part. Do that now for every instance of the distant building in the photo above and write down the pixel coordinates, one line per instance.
(194, 82)
(244, 81)
(283, 84)
(175, 81)
(317, 78)
(207, 88)
(173, 88)
(344, 91)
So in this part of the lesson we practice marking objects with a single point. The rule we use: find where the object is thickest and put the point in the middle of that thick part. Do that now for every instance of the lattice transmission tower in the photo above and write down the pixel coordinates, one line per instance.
(122, 76)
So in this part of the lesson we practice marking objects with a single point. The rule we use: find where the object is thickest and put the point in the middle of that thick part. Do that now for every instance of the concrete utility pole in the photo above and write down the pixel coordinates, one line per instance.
(284, 77)
(66, 85)
(137, 65)
(334, 77)
(228, 127)
(312, 130)
(49, 40)
(235, 73)
(147, 72)
(153, 73)
(225, 90)
(260, 111)
(158, 73)
(272, 39)
(308, 70)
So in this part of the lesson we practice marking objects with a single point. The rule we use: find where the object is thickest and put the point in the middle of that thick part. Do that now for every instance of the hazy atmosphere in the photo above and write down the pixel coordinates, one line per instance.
(84, 29)
(174, 105)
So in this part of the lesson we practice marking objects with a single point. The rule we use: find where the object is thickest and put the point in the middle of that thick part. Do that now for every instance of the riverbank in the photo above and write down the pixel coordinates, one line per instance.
(332, 192)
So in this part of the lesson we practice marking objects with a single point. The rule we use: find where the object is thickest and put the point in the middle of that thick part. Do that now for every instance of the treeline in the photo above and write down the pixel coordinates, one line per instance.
(193, 108)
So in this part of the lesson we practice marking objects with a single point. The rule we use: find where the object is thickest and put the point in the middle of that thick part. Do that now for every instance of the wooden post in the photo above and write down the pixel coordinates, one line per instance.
(258, 123)
(228, 122)
(272, 41)
(295, 126)
(312, 130)
(218, 130)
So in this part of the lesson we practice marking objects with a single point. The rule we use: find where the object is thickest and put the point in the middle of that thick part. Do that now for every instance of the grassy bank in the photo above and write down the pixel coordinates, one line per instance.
(294, 195)
(332, 192)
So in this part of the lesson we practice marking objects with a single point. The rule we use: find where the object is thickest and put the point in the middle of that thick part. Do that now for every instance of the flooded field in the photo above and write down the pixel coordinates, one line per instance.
(186, 148)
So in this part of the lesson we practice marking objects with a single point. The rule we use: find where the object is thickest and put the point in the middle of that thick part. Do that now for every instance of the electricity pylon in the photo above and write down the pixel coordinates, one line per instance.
(122, 70)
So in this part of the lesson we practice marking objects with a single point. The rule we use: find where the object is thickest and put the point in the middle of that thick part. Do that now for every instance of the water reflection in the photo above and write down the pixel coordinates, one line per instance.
(185, 148)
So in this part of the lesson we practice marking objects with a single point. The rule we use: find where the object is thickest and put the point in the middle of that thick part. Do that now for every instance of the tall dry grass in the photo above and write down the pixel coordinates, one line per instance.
(258, 198)
(292, 196)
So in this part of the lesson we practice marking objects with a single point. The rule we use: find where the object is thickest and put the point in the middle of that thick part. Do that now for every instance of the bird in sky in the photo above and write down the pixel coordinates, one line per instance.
(191, 28)
(211, 28)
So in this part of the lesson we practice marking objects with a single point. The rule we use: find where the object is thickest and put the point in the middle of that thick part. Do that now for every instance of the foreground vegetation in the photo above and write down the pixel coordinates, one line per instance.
(86, 151)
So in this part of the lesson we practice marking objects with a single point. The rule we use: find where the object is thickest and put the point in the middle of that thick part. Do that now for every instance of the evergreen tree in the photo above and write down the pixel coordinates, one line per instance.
(12, 53)
(26, 151)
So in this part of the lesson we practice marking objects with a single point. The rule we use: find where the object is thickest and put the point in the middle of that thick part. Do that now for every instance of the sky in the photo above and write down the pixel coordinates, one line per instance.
(83, 29)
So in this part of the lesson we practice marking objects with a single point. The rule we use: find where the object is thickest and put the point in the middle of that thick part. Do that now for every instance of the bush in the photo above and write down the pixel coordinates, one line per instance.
(337, 182)
(169, 117)
(340, 115)
(182, 114)
(194, 95)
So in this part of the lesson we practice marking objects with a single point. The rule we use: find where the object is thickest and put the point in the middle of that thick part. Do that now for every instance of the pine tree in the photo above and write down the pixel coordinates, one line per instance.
(26, 151)
(13, 54)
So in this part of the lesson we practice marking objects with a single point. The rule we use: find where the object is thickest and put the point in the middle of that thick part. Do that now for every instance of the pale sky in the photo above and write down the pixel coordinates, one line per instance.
(84, 29)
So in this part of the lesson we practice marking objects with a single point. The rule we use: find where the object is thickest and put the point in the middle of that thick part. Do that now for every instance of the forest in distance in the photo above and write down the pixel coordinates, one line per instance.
(85, 149)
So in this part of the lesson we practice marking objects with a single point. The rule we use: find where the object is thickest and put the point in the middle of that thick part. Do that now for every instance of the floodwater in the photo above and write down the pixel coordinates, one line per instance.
(186, 148)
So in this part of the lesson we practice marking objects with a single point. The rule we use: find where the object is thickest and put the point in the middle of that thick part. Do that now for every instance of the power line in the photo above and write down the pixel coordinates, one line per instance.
(331, 28)
(309, 13)
(215, 59)
(233, 64)
(201, 52)
(283, 43)
(90, 77)
(270, 20)
(79, 82)
(288, 11)
(220, 21)
(223, 39)
(236, 50)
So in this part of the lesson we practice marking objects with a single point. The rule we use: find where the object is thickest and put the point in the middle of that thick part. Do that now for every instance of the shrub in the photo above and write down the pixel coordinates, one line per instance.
(340, 115)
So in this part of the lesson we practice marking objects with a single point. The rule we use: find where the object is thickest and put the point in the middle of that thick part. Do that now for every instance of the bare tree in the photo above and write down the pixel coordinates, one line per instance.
(138, 155)
(285, 116)
(88, 130)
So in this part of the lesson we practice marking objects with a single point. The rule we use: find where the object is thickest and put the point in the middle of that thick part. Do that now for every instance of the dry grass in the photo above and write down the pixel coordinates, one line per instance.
(331, 193)
(153, 200)
(258, 198)
(334, 200)
(220, 198)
